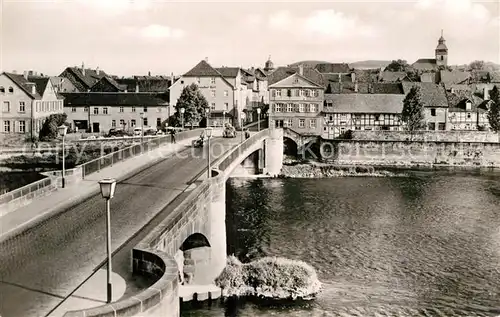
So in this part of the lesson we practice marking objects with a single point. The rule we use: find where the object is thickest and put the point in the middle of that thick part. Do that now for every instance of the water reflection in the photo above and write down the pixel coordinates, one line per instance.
(427, 245)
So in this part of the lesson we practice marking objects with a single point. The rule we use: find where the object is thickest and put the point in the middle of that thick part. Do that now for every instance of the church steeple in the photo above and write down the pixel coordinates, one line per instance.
(441, 52)
(269, 65)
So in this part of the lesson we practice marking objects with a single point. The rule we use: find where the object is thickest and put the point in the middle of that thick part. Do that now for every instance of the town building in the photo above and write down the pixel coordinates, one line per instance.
(257, 92)
(224, 89)
(157, 84)
(98, 112)
(433, 64)
(81, 78)
(467, 111)
(27, 103)
(361, 111)
(435, 103)
(296, 99)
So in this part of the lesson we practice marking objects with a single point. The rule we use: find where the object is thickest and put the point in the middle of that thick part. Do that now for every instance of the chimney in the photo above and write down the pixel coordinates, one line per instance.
(97, 71)
(486, 95)
(301, 70)
(149, 73)
(353, 77)
(206, 59)
(171, 78)
(25, 74)
(137, 86)
(83, 69)
(468, 105)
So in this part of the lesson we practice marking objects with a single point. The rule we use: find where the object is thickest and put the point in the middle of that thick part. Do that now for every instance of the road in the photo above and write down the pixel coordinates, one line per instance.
(41, 267)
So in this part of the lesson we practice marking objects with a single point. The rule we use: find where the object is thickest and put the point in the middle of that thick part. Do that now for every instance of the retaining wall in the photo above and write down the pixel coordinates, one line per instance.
(436, 136)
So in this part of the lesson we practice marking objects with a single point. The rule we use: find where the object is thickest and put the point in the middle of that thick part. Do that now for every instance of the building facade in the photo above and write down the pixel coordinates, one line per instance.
(467, 111)
(435, 104)
(366, 112)
(296, 102)
(99, 112)
(26, 103)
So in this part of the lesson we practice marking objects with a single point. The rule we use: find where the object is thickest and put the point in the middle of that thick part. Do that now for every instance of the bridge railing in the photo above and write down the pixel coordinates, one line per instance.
(225, 161)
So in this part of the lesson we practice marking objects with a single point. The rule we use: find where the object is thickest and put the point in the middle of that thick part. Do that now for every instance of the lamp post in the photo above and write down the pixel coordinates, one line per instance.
(258, 119)
(223, 118)
(62, 132)
(208, 132)
(107, 191)
(182, 117)
(142, 128)
(243, 116)
(207, 112)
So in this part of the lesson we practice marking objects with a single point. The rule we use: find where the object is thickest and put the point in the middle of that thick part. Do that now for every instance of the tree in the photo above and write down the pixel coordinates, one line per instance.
(494, 110)
(476, 65)
(49, 128)
(194, 104)
(413, 110)
(399, 65)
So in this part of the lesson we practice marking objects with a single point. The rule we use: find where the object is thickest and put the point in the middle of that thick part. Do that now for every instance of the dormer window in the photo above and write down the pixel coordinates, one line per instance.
(468, 105)
(295, 80)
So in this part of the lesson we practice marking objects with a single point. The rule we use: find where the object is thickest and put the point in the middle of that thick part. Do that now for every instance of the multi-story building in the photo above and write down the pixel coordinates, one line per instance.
(344, 112)
(467, 111)
(435, 103)
(27, 103)
(296, 100)
(226, 92)
(100, 111)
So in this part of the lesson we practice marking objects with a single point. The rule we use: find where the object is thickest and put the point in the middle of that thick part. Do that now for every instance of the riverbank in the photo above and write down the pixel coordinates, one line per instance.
(324, 170)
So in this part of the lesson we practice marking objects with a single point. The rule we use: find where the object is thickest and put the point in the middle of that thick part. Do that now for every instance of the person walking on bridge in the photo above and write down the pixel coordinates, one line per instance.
(172, 135)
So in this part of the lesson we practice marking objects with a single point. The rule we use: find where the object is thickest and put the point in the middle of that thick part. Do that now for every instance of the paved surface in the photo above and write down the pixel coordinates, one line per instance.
(44, 265)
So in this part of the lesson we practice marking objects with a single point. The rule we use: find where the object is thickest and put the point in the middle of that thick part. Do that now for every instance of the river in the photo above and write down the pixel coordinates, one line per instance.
(424, 245)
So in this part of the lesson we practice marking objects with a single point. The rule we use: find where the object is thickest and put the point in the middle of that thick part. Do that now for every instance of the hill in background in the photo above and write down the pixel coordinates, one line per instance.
(358, 65)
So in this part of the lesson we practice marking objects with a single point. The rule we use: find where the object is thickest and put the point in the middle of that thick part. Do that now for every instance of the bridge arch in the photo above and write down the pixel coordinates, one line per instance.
(290, 147)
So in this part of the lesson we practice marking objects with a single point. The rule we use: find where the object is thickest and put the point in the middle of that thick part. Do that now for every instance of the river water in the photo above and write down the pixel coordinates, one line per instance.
(424, 245)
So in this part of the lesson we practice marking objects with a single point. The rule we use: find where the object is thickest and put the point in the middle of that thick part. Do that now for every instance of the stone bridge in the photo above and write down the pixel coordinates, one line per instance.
(191, 241)
(300, 140)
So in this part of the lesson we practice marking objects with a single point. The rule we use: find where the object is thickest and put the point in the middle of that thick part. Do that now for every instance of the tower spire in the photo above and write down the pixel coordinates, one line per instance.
(441, 32)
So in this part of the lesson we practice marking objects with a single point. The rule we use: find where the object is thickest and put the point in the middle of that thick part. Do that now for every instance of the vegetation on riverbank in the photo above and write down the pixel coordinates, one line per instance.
(12, 180)
(321, 170)
(76, 154)
(269, 277)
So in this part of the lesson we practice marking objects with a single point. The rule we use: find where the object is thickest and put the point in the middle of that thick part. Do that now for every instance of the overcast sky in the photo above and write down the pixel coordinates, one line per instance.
(124, 37)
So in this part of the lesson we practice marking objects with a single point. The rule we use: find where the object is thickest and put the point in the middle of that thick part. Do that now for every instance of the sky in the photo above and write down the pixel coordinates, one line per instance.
(124, 37)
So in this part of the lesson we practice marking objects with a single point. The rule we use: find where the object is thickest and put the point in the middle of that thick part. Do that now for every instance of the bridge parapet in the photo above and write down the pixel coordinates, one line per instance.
(201, 212)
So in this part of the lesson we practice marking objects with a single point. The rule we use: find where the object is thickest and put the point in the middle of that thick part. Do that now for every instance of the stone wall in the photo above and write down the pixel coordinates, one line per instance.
(439, 136)
(23, 196)
(416, 153)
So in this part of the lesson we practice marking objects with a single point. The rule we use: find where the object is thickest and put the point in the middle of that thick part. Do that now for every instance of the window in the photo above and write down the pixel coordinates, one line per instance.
(2, 90)
(312, 123)
(212, 106)
(182, 81)
(86, 109)
(315, 93)
(226, 93)
(105, 110)
(212, 92)
(113, 123)
(273, 92)
(312, 108)
(431, 126)
(288, 92)
(122, 122)
(277, 107)
(295, 80)
(212, 80)
(6, 126)
(308, 93)
(73, 109)
(158, 109)
(22, 106)
(198, 80)
(133, 109)
(145, 109)
(302, 123)
(288, 123)
(301, 107)
(296, 92)
(96, 110)
(289, 107)
(121, 109)
(145, 121)
(442, 126)
(11, 90)
(158, 122)
(302, 92)
(278, 92)
(226, 105)
(22, 126)
(132, 122)
(433, 112)
(6, 106)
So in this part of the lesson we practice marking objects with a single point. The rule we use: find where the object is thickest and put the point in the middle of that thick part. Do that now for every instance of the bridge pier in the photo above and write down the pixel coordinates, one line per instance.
(273, 152)
(217, 228)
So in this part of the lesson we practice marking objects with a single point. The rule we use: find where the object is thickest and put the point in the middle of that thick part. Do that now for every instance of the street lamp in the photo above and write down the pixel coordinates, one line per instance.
(62, 132)
(223, 118)
(258, 119)
(182, 117)
(142, 127)
(207, 111)
(243, 116)
(208, 132)
(107, 191)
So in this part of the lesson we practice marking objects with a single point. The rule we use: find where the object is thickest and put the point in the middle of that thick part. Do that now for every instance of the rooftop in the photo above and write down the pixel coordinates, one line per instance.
(364, 103)
(114, 99)
(433, 95)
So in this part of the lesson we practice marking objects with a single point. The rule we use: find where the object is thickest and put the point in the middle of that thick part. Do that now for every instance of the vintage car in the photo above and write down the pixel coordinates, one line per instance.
(229, 131)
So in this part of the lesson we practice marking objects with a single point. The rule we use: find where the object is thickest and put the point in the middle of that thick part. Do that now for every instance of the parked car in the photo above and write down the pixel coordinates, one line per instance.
(229, 131)
(116, 133)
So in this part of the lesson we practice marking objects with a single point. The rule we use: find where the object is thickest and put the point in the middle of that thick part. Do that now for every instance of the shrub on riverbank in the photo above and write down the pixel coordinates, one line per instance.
(320, 171)
(269, 277)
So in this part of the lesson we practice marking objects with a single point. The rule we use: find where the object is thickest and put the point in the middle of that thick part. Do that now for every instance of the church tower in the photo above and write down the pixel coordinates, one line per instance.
(269, 66)
(441, 52)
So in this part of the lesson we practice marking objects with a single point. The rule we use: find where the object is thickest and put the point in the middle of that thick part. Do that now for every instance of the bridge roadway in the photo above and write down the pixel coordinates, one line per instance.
(42, 266)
